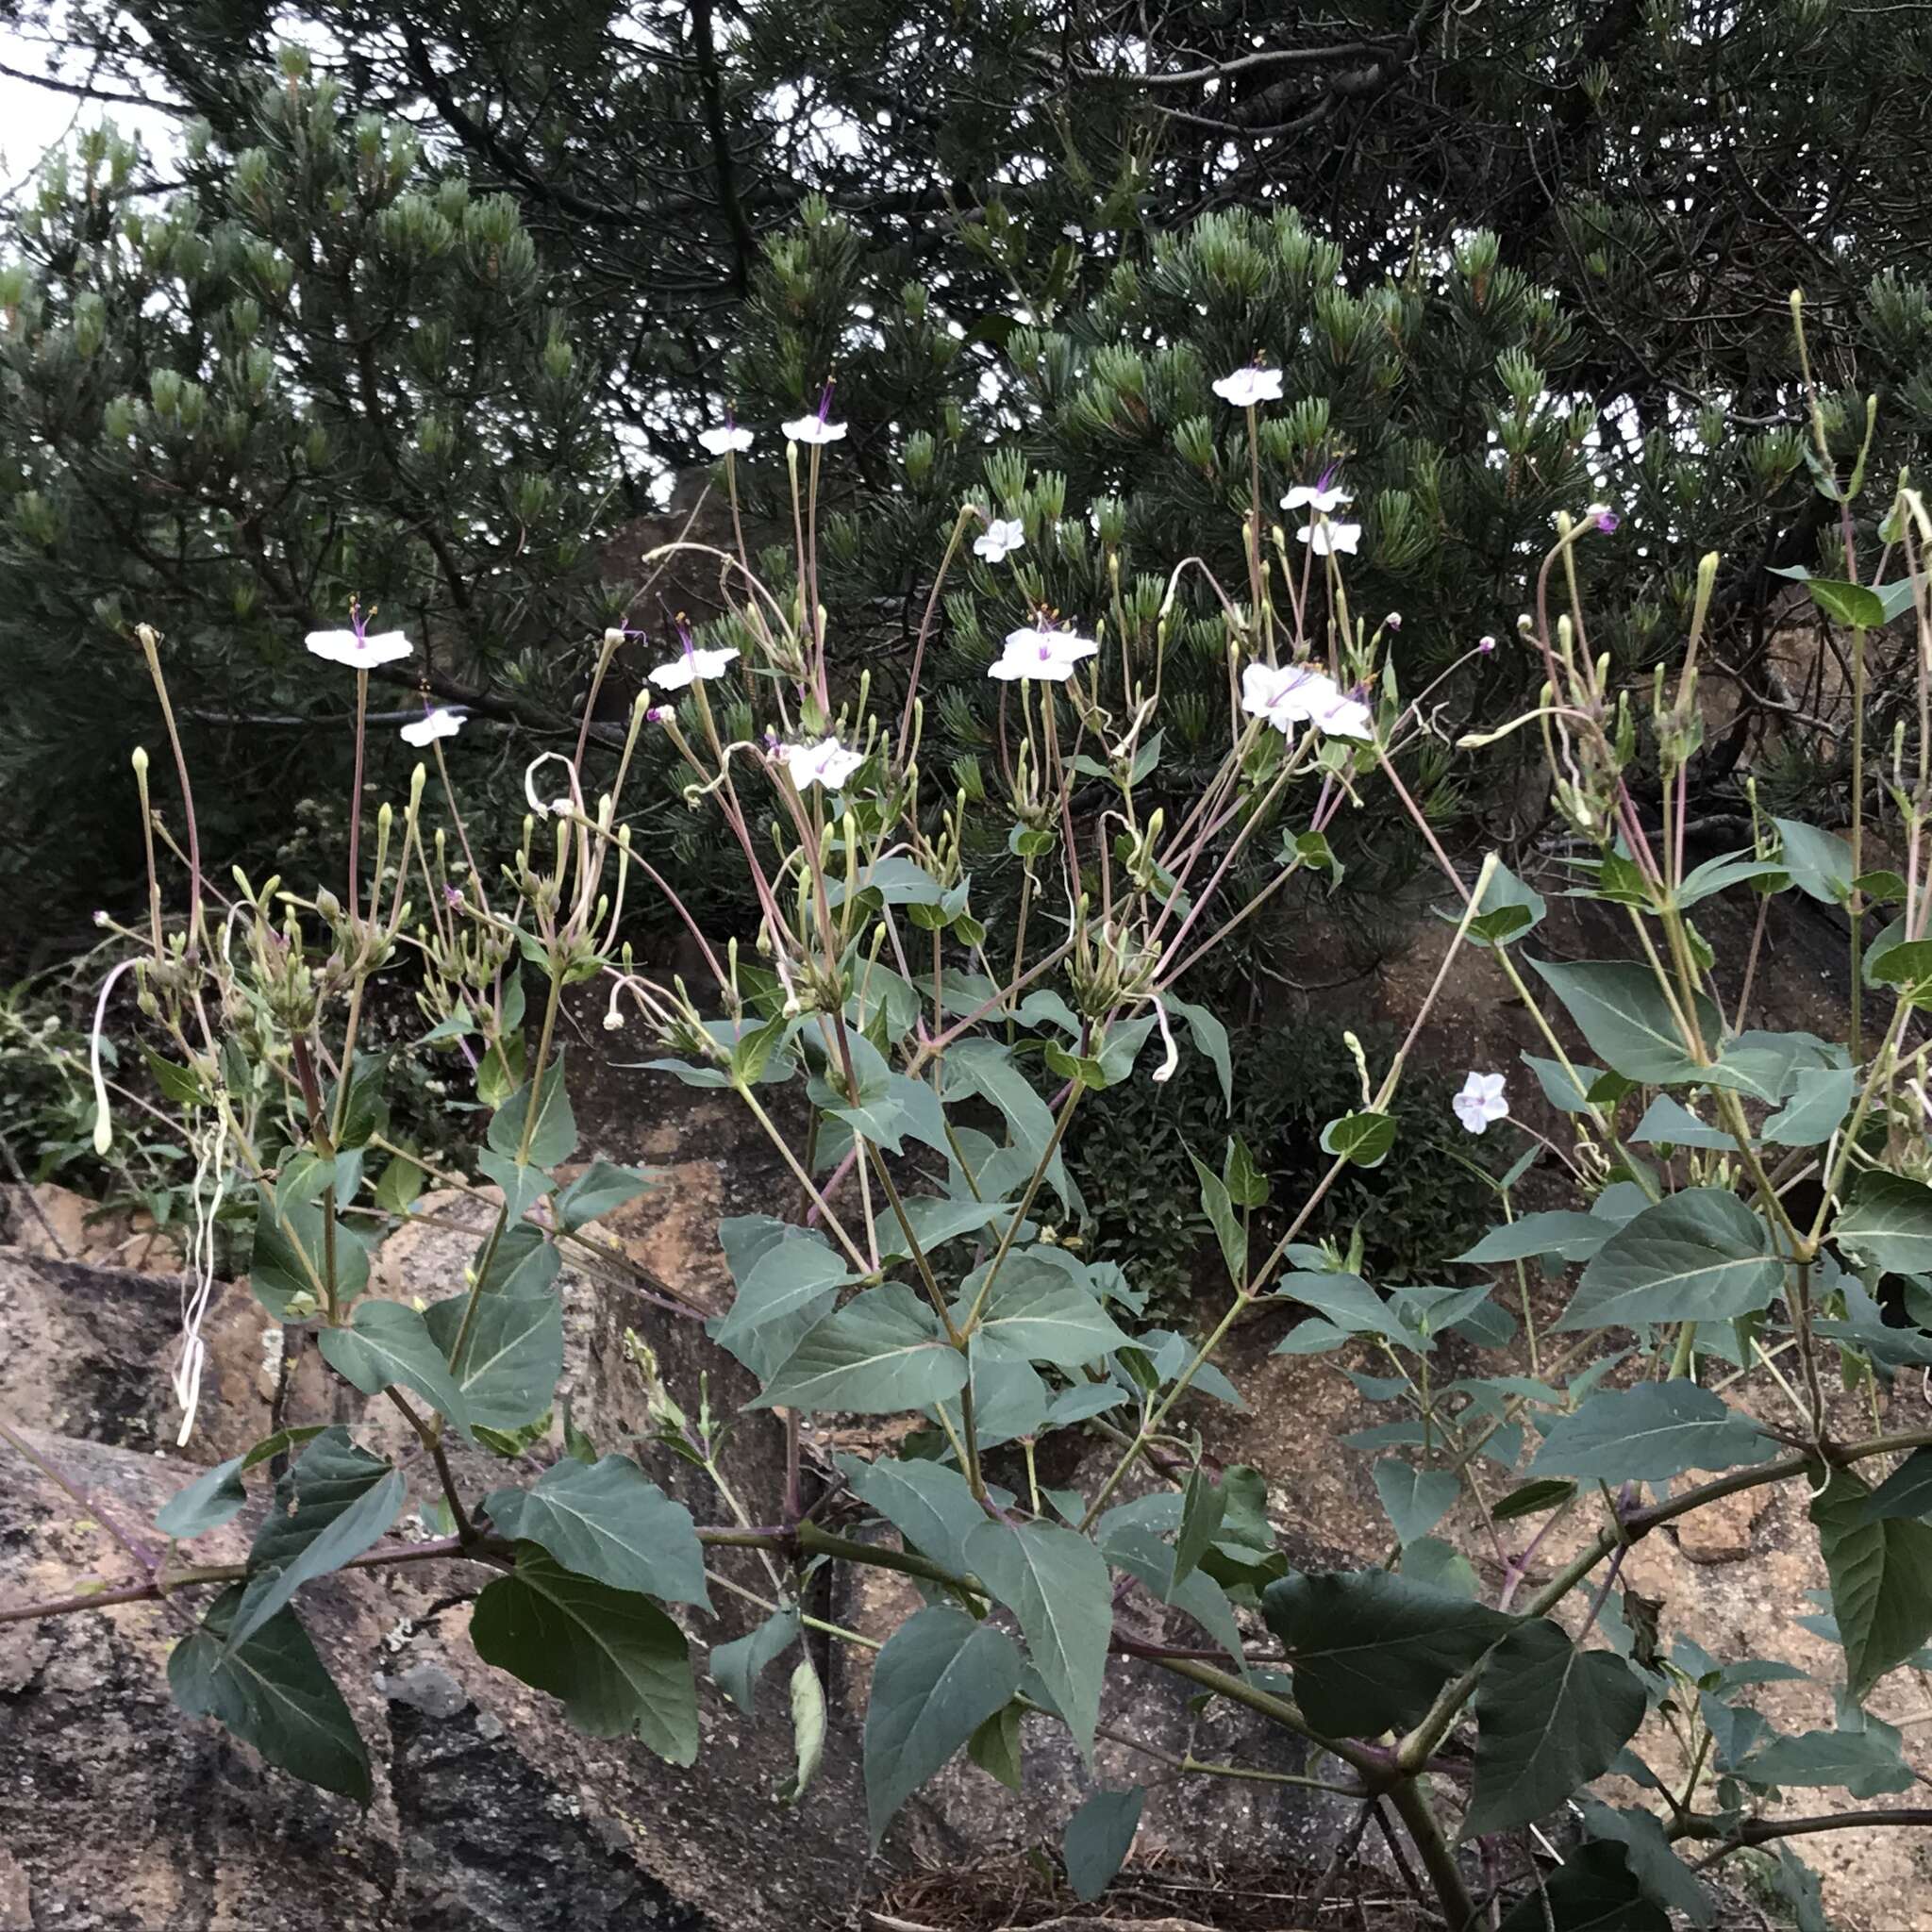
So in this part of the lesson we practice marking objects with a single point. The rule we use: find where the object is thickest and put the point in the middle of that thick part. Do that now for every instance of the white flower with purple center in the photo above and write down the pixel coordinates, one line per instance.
(1291, 695)
(438, 722)
(818, 427)
(1041, 653)
(1000, 539)
(1325, 495)
(730, 441)
(356, 648)
(1481, 1102)
(827, 763)
(692, 666)
(1246, 387)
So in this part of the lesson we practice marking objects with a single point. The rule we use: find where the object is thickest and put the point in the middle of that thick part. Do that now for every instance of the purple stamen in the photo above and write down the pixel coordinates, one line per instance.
(825, 402)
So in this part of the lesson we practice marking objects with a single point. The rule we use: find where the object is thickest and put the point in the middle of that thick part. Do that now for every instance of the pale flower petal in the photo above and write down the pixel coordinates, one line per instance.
(693, 667)
(1001, 538)
(1481, 1101)
(439, 723)
(814, 429)
(827, 763)
(358, 651)
(1246, 387)
(724, 441)
(1330, 540)
(1043, 653)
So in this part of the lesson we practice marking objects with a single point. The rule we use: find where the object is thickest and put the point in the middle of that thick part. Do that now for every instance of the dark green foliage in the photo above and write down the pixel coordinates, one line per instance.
(1131, 1162)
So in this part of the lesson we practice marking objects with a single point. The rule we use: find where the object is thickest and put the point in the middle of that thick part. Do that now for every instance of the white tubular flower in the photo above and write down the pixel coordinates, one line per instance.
(1342, 716)
(730, 441)
(813, 430)
(827, 763)
(1246, 387)
(1000, 539)
(1172, 1059)
(1330, 540)
(1046, 655)
(357, 649)
(693, 667)
(1285, 694)
(436, 722)
(1481, 1101)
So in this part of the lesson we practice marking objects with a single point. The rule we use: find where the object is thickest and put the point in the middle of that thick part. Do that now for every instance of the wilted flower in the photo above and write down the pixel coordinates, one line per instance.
(1001, 538)
(1393, 622)
(816, 428)
(1486, 643)
(660, 714)
(827, 763)
(1249, 385)
(1330, 540)
(1041, 653)
(356, 648)
(437, 722)
(1607, 520)
(1481, 1101)
(1324, 494)
(727, 440)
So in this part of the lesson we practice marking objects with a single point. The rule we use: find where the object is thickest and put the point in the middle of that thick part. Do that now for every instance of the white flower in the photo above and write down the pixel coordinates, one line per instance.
(813, 430)
(356, 650)
(827, 763)
(441, 723)
(1249, 385)
(1393, 622)
(1330, 540)
(692, 667)
(1481, 1101)
(1291, 695)
(1325, 495)
(1341, 716)
(1048, 655)
(725, 441)
(1003, 535)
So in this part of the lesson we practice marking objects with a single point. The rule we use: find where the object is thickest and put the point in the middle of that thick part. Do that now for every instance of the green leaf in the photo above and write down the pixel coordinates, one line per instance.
(1820, 863)
(523, 1183)
(1799, 1886)
(1346, 1300)
(929, 1503)
(1732, 869)
(1881, 1581)
(1037, 1312)
(892, 881)
(937, 1219)
(389, 1345)
(1217, 1204)
(1906, 1491)
(1620, 1010)
(1531, 1498)
(1573, 1236)
(1698, 1255)
(940, 1676)
(883, 1351)
(273, 1692)
(791, 1284)
(1099, 1837)
(179, 1084)
(1664, 1877)
(1210, 1039)
(333, 1504)
(619, 1664)
(1362, 1138)
(1509, 909)
(736, 1667)
(1203, 1505)
(608, 1522)
(1669, 1122)
(1847, 603)
(513, 1360)
(288, 1229)
(1888, 1224)
(1820, 1100)
(1055, 1582)
(602, 1188)
(401, 1182)
(1559, 1090)
(995, 1746)
(1593, 1891)
(1867, 1763)
(205, 1504)
(555, 1135)
(1416, 1499)
(1246, 1185)
(1650, 1432)
(1549, 1718)
(1371, 1649)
